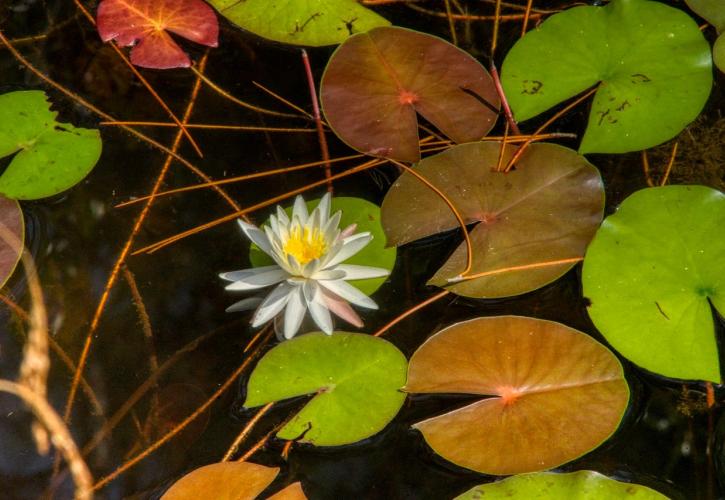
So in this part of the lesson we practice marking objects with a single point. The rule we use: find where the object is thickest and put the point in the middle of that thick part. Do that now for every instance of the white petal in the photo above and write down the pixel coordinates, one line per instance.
(256, 235)
(324, 208)
(300, 210)
(260, 279)
(330, 274)
(318, 310)
(349, 293)
(273, 304)
(353, 272)
(238, 275)
(282, 216)
(350, 246)
(295, 312)
(244, 305)
(331, 229)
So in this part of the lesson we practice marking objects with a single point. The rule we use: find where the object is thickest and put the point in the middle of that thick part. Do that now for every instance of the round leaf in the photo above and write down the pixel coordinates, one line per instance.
(366, 216)
(650, 274)
(223, 481)
(556, 393)
(713, 11)
(650, 60)
(51, 157)
(355, 380)
(11, 245)
(376, 82)
(301, 22)
(582, 485)
(544, 211)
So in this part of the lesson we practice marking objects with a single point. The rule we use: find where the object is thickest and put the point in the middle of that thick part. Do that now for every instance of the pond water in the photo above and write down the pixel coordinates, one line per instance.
(668, 439)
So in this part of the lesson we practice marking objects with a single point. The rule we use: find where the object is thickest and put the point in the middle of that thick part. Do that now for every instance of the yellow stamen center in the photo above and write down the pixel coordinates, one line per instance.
(305, 244)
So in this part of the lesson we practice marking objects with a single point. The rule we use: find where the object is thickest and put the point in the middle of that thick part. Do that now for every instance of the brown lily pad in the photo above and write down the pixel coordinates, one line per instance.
(11, 244)
(230, 481)
(537, 219)
(375, 83)
(556, 393)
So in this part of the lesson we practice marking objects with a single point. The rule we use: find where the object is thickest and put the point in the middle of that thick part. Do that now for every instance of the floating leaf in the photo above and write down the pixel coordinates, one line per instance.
(301, 22)
(51, 156)
(544, 211)
(650, 60)
(229, 481)
(11, 245)
(713, 11)
(355, 380)
(143, 24)
(376, 82)
(367, 217)
(651, 273)
(556, 393)
(582, 485)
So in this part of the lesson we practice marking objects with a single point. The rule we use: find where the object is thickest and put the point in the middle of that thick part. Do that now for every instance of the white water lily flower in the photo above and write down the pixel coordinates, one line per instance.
(309, 251)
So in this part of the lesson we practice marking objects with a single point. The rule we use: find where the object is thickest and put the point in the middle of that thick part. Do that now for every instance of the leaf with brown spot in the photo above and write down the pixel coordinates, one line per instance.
(546, 210)
(555, 393)
(375, 83)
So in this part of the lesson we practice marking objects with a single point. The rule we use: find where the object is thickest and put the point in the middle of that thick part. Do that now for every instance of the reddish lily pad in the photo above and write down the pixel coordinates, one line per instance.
(143, 24)
(537, 219)
(556, 393)
(230, 481)
(11, 218)
(375, 83)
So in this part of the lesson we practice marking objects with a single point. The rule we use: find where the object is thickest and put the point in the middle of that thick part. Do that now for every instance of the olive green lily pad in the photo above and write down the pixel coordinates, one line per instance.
(51, 156)
(11, 244)
(580, 485)
(532, 224)
(555, 393)
(376, 82)
(230, 481)
(366, 216)
(651, 62)
(713, 11)
(301, 22)
(651, 273)
(355, 380)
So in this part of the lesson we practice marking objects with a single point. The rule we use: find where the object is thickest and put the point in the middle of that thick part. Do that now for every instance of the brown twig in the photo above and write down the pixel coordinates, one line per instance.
(246, 431)
(410, 311)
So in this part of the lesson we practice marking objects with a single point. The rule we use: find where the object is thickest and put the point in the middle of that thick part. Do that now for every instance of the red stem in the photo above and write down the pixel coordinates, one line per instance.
(504, 103)
(318, 120)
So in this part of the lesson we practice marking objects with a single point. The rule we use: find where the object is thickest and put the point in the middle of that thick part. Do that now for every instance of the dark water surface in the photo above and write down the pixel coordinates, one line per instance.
(77, 236)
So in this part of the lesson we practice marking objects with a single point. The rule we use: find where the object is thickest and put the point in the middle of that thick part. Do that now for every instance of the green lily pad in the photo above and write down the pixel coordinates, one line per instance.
(581, 485)
(650, 60)
(545, 211)
(301, 22)
(713, 11)
(651, 273)
(376, 82)
(367, 217)
(556, 393)
(355, 379)
(51, 156)
(11, 217)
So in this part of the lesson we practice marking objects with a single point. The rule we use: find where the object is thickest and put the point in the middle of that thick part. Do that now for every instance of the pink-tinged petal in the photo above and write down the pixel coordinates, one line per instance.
(342, 309)
(348, 231)
(354, 272)
(349, 293)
